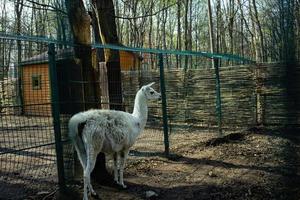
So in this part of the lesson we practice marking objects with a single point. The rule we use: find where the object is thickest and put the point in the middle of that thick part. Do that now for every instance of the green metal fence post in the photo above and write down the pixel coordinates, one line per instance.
(218, 99)
(56, 116)
(164, 104)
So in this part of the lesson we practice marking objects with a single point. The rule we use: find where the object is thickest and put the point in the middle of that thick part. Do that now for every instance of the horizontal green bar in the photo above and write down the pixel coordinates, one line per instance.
(27, 148)
(132, 49)
(31, 147)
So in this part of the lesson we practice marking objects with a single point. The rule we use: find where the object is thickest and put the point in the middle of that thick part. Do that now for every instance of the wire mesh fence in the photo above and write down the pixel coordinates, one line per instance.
(83, 81)
(27, 153)
(131, 78)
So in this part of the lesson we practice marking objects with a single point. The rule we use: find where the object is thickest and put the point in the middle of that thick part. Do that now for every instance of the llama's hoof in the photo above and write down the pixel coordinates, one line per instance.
(120, 186)
(123, 186)
(95, 195)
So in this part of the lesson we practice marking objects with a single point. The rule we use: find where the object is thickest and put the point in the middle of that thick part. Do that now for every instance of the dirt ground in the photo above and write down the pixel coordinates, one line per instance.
(27, 156)
(256, 164)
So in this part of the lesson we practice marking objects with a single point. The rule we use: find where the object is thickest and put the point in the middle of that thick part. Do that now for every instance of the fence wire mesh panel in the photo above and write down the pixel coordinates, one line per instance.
(112, 90)
(250, 95)
(151, 140)
(27, 153)
(192, 98)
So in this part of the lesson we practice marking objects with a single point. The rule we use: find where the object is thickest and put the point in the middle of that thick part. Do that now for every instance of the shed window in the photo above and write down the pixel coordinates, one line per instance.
(36, 82)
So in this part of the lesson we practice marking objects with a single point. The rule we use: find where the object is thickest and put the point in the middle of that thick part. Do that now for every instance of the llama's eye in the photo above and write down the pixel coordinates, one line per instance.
(151, 92)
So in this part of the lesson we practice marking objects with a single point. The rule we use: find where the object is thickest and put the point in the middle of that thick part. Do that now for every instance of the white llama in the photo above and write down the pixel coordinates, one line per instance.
(111, 132)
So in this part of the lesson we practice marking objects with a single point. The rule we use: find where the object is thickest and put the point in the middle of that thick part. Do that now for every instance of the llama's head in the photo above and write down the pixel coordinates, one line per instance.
(150, 93)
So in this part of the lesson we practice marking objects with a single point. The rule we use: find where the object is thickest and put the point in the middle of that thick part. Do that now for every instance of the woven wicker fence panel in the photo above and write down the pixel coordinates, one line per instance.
(132, 81)
(201, 97)
(279, 91)
(176, 93)
(247, 91)
(238, 95)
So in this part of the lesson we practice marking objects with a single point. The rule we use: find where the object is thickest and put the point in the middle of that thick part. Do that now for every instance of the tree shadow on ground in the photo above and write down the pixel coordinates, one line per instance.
(290, 133)
(236, 190)
(285, 188)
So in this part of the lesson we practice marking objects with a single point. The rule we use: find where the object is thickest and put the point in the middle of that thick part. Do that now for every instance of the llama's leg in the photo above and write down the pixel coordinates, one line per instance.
(85, 184)
(80, 148)
(81, 156)
(124, 155)
(116, 167)
(90, 164)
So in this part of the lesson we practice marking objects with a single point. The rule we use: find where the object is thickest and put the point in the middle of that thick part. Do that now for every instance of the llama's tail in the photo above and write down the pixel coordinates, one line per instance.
(75, 135)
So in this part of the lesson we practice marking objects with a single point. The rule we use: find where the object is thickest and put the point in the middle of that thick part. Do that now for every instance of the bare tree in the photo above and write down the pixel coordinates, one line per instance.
(259, 32)
(215, 66)
(18, 11)
(186, 29)
(178, 42)
(211, 32)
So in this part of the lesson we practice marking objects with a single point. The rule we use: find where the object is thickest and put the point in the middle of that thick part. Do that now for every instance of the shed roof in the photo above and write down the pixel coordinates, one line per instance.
(43, 57)
(61, 54)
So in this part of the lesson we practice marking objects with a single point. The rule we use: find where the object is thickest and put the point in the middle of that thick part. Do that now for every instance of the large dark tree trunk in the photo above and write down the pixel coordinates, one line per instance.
(80, 22)
(80, 25)
(107, 34)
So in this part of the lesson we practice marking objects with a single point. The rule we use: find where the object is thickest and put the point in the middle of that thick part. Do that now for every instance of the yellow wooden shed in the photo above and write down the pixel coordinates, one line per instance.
(36, 84)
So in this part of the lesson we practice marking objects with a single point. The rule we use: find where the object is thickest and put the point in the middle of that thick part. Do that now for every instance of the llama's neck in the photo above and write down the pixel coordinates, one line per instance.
(140, 110)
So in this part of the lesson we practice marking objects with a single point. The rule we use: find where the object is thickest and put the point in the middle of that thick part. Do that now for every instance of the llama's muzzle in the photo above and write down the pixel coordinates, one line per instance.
(159, 98)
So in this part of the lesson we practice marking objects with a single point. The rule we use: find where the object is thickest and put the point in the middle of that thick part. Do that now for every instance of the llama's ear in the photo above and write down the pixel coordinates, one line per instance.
(149, 85)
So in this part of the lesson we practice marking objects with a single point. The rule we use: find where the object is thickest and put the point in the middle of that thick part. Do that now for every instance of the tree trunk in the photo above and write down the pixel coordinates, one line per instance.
(211, 32)
(297, 17)
(108, 35)
(260, 33)
(18, 10)
(242, 27)
(150, 38)
(230, 26)
(190, 44)
(215, 66)
(164, 32)
(178, 58)
(186, 28)
(254, 36)
(219, 27)
(158, 36)
(80, 25)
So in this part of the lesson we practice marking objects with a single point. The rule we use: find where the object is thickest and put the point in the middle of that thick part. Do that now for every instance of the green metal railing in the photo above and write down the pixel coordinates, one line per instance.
(132, 49)
(56, 116)
(164, 104)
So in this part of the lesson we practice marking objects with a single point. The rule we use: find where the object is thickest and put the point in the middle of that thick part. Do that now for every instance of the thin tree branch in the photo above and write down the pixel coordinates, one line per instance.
(41, 4)
(44, 6)
(147, 15)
